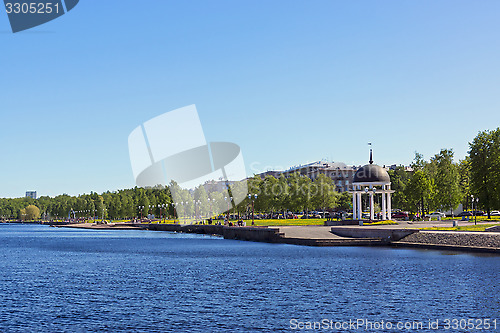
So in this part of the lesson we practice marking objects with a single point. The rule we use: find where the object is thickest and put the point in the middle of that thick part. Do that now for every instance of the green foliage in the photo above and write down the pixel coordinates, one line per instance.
(32, 212)
(485, 169)
(419, 191)
(399, 181)
(437, 184)
(118, 205)
(345, 201)
(463, 168)
(324, 195)
(286, 222)
(447, 181)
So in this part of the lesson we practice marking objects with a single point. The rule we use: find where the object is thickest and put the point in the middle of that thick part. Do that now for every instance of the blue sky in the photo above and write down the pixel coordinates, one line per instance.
(289, 81)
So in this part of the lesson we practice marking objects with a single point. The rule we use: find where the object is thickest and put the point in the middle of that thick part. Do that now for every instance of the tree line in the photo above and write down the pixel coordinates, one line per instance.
(122, 204)
(442, 184)
(295, 193)
(439, 183)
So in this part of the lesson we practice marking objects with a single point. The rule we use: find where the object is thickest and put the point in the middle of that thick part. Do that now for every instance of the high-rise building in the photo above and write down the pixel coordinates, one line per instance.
(31, 194)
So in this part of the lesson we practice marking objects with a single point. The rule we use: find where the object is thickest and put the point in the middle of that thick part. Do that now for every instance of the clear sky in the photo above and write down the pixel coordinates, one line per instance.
(289, 81)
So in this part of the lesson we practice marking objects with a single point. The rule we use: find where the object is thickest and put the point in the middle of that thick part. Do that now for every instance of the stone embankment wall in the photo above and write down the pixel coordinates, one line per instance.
(258, 234)
(375, 233)
(466, 240)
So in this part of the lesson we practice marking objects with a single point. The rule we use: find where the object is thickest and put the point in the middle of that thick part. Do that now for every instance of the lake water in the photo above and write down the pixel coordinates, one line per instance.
(69, 280)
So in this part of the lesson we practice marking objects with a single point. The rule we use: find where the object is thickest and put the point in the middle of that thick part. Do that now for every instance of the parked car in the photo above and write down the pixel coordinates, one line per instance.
(495, 213)
(464, 214)
(400, 215)
(436, 214)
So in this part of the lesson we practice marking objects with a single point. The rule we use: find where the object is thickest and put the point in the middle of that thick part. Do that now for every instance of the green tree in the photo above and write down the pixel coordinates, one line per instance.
(447, 187)
(418, 162)
(283, 195)
(201, 199)
(419, 192)
(100, 207)
(306, 192)
(22, 214)
(463, 168)
(32, 212)
(485, 169)
(345, 202)
(399, 181)
(295, 200)
(325, 195)
(270, 192)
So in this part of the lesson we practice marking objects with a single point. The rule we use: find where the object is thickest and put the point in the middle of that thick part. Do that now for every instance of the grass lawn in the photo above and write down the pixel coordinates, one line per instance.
(284, 222)
(382, 223)
(478, 218)
(479, 227)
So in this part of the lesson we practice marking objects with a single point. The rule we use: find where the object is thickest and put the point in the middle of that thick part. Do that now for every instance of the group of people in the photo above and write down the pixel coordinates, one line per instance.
(239, 223)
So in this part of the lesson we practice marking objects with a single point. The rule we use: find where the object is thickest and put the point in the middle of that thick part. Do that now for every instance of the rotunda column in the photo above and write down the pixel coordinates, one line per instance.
(354, 201)
(384, 215)
(372, 209)
(389, 214)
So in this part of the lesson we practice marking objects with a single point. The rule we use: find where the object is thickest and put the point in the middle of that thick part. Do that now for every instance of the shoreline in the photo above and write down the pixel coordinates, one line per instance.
(387, 236)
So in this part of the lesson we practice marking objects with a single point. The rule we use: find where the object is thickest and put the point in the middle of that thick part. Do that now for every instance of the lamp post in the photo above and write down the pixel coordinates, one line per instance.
(183, 211)
(210, 212)
(196, 207)
(175, 213)
(366, 191)
(159, 206)
(254, 197)
(227, 214)
(472, 207)
(475, 215)
(474, 210)
(141, 207)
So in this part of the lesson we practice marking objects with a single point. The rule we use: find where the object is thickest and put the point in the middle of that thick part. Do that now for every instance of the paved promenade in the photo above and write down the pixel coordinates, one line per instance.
(308, 232)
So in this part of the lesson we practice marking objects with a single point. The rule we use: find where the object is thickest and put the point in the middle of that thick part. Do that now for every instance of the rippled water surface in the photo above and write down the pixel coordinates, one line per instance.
(67, 280)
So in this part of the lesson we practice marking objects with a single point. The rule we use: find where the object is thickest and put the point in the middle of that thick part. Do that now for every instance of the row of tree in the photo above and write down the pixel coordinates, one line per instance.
(295, 193)
(123, 204)
(439, 183)
(443, 184)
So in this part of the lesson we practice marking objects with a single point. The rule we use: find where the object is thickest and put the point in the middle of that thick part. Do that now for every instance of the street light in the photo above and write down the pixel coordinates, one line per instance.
(227, 214)
(253, 198)
(474, 211)
(199, 210)
(183, 211)
(141, 207)
(175, 213)
(475, 215)
(160, 207)
(210, 212)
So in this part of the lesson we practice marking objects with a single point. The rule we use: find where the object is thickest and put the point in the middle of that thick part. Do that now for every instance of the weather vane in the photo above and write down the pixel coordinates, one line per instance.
(371, 156)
